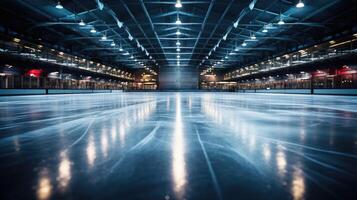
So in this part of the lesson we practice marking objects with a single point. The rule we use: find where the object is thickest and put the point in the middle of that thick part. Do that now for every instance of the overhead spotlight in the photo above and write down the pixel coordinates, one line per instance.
(132, 57)
(178, 43)
(178, 56)
(104, 37)
(178, 49)
(265, 30)
(235, 25)
(178, 21)
(253, 37)
(225, 36)
(130, 37)
(121, 49)
(244, 44)
(120, 24)
(112, 44)
(178, 4)
(236, 49)
(178, 32)
(226, 57)
(82, 23)
(300, 4)
(59, 5)
(281, 21)
(93, 30)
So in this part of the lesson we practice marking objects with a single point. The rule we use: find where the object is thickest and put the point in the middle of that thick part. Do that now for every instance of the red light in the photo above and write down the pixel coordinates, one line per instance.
(34, 72)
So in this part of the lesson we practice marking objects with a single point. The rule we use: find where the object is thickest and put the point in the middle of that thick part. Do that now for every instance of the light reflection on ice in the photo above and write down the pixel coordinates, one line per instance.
(91, 151)
(44, 187)
(178, 150)
(64, 171)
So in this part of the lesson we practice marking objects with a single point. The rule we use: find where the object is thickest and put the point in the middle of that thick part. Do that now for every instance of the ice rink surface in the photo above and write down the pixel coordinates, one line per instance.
(155, 146)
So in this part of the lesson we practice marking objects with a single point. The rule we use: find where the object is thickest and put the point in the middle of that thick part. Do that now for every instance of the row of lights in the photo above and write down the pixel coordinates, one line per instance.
(253, 37)
(105, 38)
(178, 33)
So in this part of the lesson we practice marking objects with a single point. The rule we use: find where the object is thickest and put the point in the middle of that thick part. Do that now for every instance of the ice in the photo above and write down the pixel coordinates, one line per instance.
(178, 146)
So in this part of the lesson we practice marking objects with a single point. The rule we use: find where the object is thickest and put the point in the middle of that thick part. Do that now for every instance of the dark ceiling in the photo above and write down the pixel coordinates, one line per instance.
(151, 23)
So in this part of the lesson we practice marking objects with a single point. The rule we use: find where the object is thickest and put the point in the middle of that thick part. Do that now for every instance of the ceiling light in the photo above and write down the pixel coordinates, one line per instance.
(132, 57)
(225, 36)
(82, 23)
(59, 5)
(226, 57)
(178, 56)
(244, 44)
(281, 21)
(178, 21)
(178, 50)
(104, 37)
(253, 37)
(178, 4)
(112, 44)
(178, 32)
(130, 37)
(236, 49)
(93, 30)
(120, 24)
(300, 4)
(265, 30)
(121, 49)
(235, 24)
(178, 43)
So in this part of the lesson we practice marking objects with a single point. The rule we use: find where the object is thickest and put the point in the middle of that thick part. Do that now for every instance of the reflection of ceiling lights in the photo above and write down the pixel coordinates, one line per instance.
(300, 4)
(59, 5)
(178, 4)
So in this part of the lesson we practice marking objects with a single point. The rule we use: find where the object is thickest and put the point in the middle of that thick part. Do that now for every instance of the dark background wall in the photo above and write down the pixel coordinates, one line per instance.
(178, 78)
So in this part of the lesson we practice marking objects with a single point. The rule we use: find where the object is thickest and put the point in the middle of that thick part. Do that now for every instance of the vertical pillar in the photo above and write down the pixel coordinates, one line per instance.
(312, 84)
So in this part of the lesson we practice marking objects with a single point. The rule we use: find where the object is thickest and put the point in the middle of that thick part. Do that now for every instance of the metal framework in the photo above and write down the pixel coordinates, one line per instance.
(154, 33)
